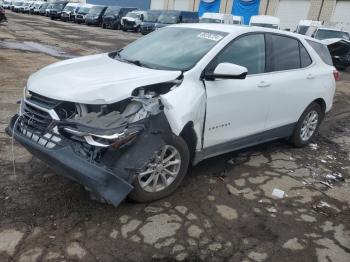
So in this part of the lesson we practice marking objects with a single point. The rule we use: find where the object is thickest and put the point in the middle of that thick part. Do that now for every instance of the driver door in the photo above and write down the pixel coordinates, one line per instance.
(237, 109)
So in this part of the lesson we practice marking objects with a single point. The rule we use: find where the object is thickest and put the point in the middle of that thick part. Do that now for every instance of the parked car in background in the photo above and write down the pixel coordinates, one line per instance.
(56, 10)
(132, 20)
(219, 18)
(42, 9)
(48, 9)
(176, 17)
(34, 8)
(94, 17)
(181, 95)
(17, 5)
(81, 13)
(69, 12)
(340, 52)
(149, 21)
(7, 4)
(327, 33)
(305, 25)
(26, 7)
(113, 15)
(265, 21)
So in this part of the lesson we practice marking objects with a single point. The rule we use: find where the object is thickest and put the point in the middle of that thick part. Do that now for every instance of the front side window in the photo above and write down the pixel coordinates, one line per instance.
(171, 48)
(247, 51)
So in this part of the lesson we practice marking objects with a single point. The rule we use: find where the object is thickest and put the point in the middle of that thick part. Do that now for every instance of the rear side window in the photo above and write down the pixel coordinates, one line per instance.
(322, 51)
(305, 58)
(284, 53)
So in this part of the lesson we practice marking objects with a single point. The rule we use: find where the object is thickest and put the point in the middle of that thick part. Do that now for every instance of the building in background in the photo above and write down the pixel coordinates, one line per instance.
(331, 12)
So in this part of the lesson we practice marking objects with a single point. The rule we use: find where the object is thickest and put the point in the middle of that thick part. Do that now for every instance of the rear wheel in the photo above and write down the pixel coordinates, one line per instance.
(164, 173)
(307, 126)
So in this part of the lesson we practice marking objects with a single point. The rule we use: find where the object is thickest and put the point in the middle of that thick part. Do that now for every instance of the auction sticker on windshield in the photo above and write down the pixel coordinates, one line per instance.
(210, 36)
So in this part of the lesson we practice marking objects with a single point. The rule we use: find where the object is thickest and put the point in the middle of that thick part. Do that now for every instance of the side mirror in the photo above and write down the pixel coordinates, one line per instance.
(228, 71)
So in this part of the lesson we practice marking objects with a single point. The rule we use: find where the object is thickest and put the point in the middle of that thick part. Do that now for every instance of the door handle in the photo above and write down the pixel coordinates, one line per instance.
(263, 84)
(310, 76)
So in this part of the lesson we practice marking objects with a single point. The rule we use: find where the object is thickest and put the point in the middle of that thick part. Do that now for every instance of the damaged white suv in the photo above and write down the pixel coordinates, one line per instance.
(132, 121)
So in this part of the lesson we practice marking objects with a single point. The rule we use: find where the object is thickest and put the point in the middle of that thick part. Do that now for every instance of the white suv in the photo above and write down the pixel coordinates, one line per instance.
(130, 122)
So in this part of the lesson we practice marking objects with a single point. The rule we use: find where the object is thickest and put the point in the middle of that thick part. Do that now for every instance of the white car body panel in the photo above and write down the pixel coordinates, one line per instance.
(226, 109)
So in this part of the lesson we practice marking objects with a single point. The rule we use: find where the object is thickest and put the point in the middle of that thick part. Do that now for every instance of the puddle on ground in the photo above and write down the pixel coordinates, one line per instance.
(35, 47)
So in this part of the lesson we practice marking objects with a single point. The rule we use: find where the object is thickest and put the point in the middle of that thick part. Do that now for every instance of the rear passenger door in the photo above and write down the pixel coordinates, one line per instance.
(292, 82)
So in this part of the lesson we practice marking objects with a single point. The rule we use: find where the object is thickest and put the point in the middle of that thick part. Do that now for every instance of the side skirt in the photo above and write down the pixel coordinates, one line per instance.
(244, 142)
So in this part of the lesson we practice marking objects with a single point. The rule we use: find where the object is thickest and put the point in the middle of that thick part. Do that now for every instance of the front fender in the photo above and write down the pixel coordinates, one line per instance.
(186, 103)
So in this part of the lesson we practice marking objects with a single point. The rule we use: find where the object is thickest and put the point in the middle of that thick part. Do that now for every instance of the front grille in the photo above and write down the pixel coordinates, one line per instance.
(36, 118)
(129, 23)
(43, 101)
(49, 139)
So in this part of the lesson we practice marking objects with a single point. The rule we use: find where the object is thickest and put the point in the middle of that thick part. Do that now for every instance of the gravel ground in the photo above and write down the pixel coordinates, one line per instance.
(224, 210)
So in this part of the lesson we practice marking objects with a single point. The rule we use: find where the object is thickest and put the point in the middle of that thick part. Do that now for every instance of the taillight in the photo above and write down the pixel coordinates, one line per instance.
(336, 75)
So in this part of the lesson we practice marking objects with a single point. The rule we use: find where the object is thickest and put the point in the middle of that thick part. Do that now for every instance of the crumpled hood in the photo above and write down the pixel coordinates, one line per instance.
(330, 41)
(131, 19)
(96, 79)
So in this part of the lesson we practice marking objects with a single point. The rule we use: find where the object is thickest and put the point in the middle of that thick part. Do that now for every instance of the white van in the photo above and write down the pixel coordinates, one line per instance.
(220, 18)
(265, 21)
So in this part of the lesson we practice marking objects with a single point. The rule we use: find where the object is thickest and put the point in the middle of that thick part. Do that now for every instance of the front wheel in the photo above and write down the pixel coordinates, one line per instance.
(307, 126)
(164, 173)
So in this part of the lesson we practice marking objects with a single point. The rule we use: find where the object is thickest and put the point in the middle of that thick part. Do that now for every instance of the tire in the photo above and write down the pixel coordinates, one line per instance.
(140, 194)
(297, 139)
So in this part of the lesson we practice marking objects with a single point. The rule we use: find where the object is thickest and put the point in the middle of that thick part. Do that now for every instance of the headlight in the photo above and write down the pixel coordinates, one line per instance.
(26, 93)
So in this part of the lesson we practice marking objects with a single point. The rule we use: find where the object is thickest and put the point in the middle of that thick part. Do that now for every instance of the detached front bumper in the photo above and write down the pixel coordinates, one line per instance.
(63, 159)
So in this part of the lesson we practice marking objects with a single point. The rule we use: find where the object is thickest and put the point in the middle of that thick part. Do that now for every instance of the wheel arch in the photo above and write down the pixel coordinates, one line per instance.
(189, 135)
(321, 103)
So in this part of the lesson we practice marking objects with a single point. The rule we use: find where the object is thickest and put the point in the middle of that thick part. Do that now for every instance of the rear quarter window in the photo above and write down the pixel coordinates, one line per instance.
(322, 51)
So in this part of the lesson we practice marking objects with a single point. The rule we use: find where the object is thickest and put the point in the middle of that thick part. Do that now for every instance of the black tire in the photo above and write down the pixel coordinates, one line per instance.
(141, 196)
(296, 139)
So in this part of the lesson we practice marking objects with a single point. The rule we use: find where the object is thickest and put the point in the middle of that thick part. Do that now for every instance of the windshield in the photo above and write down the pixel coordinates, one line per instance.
(168, 18)
(84, 10)
(96, 10)
(325, 34)
(210, 20)
(69, 8)
(302, 29)
(19, 3)
(265, 25)
(151, 17)
(171, 48)
(133, 15)
(57, 6)
(112, 10)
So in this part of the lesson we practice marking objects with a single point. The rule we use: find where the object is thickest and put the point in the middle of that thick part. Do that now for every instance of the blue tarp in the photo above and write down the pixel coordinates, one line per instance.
(142, 4)
(209, 6)
(246, 8)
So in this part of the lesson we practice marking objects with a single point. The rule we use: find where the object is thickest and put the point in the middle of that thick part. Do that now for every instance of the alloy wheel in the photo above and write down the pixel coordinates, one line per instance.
(162, 171)
(309, 125)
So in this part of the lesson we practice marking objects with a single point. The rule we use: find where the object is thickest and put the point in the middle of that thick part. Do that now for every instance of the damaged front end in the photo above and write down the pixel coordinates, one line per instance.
(102, 147)
(340, 52)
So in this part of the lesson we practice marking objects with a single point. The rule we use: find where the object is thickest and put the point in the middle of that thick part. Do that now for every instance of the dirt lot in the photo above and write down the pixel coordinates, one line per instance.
(224, 210)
